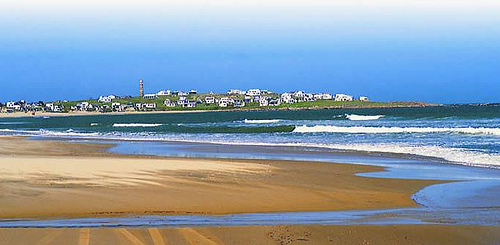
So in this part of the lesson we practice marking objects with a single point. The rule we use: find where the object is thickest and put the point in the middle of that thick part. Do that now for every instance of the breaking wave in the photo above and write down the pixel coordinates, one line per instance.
(263, 121)
(136, 125)
(389, 130)
(354, 117)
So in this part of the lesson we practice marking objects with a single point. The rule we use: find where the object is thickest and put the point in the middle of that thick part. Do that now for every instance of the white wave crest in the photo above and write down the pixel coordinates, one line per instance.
(389, 130)
(263, 121)
(454, 155)
(354, 117)
(130, 125)
(95, 124)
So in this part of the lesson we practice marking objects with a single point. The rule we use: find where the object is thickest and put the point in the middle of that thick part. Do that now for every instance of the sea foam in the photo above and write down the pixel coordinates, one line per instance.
(354, 117)
(389, 130)
(130, 125)
(263, 121)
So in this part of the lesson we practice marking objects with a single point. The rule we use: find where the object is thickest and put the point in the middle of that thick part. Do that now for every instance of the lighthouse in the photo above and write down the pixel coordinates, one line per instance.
(141, 88)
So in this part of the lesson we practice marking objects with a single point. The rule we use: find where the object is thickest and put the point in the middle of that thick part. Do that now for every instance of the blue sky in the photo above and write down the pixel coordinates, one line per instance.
(437, 51)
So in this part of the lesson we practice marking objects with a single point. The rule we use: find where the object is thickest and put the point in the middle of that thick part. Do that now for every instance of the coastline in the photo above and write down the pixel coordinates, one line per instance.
(94, 113)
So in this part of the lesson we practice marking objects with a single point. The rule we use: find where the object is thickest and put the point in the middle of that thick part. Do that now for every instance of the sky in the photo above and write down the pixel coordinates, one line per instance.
(443, 51)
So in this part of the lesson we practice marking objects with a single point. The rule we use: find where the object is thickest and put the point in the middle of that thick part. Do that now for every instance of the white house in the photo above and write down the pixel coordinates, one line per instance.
(209, 100)
(53, 107)
(287, 98)
(83, 106)
(364, 98)
(299, 94)
(164, 93)
(150, 96)
(239, 103)
(253, 92)
(236, 92)
(309, 97)
(13, 106)
(193, 91)
(226, 100)
(343, 97)
(190, 104)
(149, 105)
(106, 99)
(263, 101)
(169, 103)
(323, 96)
(274, 102)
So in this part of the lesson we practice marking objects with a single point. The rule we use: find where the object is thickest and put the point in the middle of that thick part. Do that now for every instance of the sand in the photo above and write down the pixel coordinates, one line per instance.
(67, 183)
(46, 179)
(389, 234)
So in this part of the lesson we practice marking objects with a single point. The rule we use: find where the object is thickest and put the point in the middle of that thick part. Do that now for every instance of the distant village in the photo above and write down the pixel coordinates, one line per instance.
(171, 100)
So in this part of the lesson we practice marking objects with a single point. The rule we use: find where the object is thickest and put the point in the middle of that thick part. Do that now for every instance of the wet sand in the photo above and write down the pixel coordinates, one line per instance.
(375, 234)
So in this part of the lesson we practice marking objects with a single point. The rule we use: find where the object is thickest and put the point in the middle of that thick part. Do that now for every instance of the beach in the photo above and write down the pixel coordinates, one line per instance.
(59, 179)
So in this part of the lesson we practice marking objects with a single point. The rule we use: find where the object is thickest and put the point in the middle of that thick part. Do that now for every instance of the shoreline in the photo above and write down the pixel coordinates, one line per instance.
(94, 113)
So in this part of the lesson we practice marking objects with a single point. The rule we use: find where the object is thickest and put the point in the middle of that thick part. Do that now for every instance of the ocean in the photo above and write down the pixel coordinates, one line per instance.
(466, 135)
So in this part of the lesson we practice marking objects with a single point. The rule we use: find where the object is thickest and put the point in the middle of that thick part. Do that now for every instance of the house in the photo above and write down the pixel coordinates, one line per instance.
(309, 97)
(209, 100)
(164, 93)
(183, 93)
(299, 94)
(287, 98)
(364, 98)
(248, 99)
(264, 101)
(182, 101)
(190, 104)
(239, 103)
(226, 100)
(274, 102)
(253, 92)
(193, 91)
(323, 96)
(150, 96)
(149, 105)
(343, 97)
(235, 92)
(106, 99)
(138, 106)
(83, 106)
(169, 103)
(16, 106)
(53, 107)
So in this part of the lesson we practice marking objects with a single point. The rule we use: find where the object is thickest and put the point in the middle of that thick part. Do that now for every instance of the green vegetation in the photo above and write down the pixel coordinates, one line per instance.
(249, 106)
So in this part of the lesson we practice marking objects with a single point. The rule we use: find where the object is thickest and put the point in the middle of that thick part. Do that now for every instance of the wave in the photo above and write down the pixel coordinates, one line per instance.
(14, 123)
(452, 155)
(95, 124)
(131, 125)
(230, 130)
(388, 130)
(354, 117)
(262, 121)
